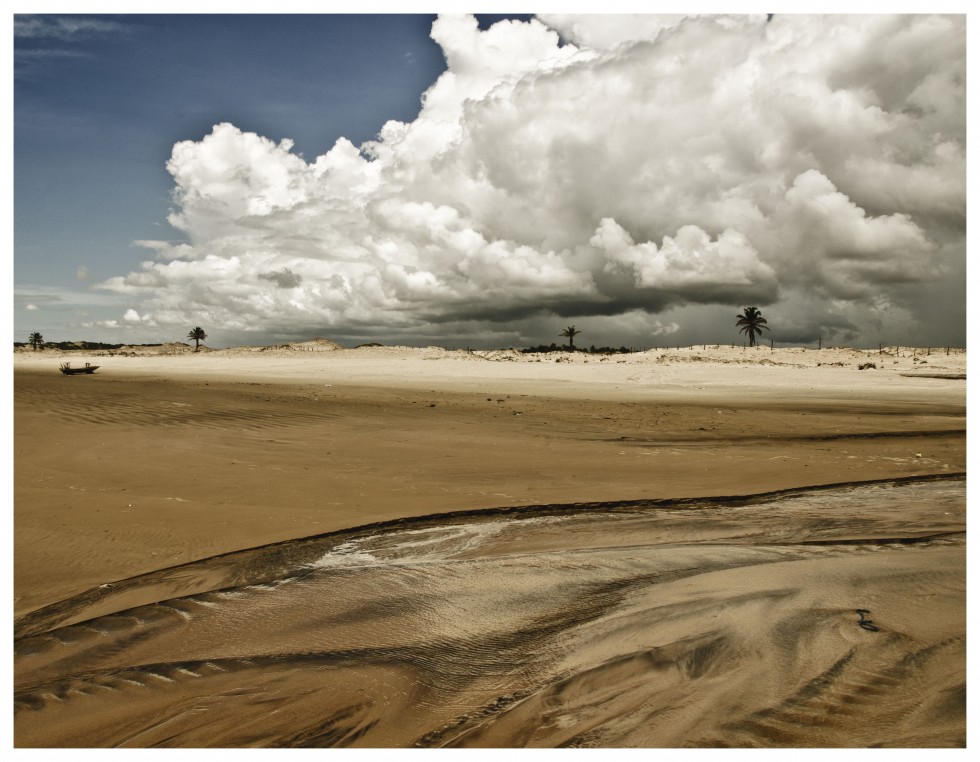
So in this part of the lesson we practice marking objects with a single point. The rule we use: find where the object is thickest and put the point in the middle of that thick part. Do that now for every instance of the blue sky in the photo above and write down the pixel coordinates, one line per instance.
(100, 101)
(98, 109)
(276, 177)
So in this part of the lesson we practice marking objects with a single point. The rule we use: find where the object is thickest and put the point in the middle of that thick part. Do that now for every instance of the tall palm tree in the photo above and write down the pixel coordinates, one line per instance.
(571, 333)
(752, 323)
(36, 340)
(197, 336)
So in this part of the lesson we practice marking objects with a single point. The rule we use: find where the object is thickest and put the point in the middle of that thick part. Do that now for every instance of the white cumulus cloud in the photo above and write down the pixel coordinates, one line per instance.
(642, 165)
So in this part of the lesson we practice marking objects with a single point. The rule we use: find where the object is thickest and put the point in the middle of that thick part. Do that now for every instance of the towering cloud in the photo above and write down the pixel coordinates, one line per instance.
(599, 166)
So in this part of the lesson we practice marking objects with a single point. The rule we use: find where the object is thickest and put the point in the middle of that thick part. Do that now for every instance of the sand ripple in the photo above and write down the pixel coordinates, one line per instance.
(80, 405)
(723, 622)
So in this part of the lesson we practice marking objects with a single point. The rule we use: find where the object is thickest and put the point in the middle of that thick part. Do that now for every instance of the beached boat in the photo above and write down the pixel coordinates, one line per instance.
(70, 371)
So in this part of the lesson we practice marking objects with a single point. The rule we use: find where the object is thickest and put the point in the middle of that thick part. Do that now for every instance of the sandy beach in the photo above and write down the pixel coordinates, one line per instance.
(395, 547)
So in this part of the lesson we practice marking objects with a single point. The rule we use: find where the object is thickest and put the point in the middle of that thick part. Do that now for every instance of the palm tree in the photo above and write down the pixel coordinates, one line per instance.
(752, 323)
(570, 332)
(36, 340)
(197, 336)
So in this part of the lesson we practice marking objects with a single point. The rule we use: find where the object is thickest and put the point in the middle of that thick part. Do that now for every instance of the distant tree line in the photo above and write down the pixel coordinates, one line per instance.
(750, 322)
(570, 332)
(591, 350)
(66, 345)
(38, 342)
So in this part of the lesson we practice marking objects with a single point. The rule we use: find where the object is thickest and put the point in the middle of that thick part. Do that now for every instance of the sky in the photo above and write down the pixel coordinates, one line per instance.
(485, 181)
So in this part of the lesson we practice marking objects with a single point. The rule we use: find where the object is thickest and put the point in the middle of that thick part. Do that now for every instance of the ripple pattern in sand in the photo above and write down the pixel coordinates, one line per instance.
(135, 410)
(699, 623)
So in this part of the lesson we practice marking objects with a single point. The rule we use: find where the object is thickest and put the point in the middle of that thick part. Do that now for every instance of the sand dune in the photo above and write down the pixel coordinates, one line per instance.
(307, 548)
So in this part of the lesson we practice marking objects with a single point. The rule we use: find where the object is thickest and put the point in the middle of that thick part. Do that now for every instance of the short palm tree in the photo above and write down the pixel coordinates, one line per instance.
(36, 340)
(197, 336)
(571, 333)
(752, 323)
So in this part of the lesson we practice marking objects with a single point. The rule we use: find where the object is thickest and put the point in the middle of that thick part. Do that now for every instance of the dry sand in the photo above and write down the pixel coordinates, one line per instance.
(598, 633)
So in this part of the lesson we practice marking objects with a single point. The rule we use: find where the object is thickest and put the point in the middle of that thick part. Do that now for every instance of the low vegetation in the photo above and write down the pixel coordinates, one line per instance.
(591, 350)
(69, 345)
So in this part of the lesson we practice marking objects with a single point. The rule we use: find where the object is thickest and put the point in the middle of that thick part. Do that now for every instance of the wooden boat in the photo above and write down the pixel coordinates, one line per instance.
(70, 371)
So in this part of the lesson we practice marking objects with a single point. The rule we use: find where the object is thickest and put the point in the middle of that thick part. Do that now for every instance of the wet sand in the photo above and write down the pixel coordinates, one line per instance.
(121, 476)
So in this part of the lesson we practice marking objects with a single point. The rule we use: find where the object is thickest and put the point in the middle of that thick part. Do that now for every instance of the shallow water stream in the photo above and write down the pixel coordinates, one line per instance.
(824, 617)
